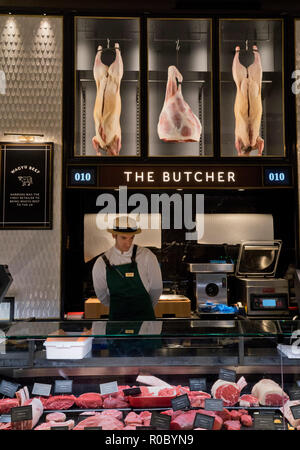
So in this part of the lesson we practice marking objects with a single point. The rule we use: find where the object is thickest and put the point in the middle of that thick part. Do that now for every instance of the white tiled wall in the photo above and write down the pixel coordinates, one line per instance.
(31, 57)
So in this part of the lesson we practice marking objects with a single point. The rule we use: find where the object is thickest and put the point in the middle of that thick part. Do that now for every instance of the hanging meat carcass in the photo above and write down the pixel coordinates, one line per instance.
(177, 122)
(107, 108)
(248, 104)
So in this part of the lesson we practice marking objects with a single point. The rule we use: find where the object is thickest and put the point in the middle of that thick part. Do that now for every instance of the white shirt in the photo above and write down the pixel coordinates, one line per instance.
(148, 268)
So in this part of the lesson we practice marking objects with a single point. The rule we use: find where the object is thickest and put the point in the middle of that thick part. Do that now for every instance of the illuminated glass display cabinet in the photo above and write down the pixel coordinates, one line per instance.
(251, 87)
(107, 86)
(179, 88)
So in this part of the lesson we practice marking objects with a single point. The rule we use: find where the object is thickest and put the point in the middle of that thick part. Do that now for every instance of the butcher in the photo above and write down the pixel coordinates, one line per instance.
(127, 277)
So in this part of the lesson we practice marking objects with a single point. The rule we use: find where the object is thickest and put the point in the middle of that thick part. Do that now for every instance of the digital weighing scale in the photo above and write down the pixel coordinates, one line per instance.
(256, 286)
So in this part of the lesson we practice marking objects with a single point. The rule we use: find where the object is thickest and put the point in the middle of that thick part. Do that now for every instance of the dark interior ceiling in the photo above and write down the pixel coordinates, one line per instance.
(153, 6)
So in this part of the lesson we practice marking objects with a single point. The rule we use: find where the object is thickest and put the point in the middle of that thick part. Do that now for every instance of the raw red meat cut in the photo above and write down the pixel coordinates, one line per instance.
(167, 392)
(248, 400)
(246, 420)
(5, 426)
(177, 122)
(228, 391)
(286, 411)
(112, 413)
(22, 395)
(115, 402)
(232, 425)
(59, 402)
(185, 420)
(7, 403)
(37, 411)
(198, 401)
(129, 427)
(133, 419)
(47, 425)
(235, 415)
(269, 393)
(224, 414)
(89, 400)
(56, 417)
(145, 415)
(106, 422)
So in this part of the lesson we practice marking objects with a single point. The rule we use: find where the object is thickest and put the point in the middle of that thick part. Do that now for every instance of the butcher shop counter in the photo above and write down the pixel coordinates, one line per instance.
(68, 365)
(158, 347)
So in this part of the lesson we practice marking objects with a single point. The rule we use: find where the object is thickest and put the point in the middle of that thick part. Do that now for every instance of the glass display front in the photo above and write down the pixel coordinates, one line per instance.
(251, 87)
(107, 86)
(179, 87)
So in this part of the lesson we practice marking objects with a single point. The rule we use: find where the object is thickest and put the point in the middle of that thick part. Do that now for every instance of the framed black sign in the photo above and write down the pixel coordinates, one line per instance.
(26, 185)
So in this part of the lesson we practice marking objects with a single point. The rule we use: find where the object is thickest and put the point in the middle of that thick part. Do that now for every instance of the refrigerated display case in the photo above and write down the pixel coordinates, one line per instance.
(97, 37)
(185, 44)
(260, 111)
(189, 358)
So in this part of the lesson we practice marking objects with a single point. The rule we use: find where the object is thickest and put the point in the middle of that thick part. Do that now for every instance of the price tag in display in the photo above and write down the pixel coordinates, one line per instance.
(180, 402)
(294, 394)
(8, 388)
(41, 389)
(204, 421)
(5, 418)
(161, 421)
(227, 375)
(21, 413)
(92, 428)
(212, 404)
(63, 387)
(295, 411)
(109, 388)
(197, 384)
(264, 422)
(132, 391)
(57, 427)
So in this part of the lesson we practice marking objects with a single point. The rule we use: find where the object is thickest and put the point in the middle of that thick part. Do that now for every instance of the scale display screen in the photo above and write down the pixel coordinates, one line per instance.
(278, 302)
(269, 302)
(82, 176)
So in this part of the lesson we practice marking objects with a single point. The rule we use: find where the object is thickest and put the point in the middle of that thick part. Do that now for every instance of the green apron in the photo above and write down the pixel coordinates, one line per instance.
(130, 305)
(129, 299)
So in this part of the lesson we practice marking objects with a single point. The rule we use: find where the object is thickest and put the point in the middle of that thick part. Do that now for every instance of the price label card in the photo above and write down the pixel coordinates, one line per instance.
(212, 404)
(132, 391)
(109, 388)
(8, 388)
(264, 422)
(41, 389)
(151, 327)
(5, 418)
(180, 402)
(204, 421)
(63, 387)
(62, 427)
(295, 411)
(227, 375)
(294, 394)
(161, 421)
(197, 384)
(21, 413)
(92, 428)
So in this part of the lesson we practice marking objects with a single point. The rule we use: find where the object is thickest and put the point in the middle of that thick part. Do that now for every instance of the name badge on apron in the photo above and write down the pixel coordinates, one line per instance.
(129, 274)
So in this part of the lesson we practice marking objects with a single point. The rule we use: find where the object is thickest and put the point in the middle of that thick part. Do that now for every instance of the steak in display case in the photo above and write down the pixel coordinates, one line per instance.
(176, 374)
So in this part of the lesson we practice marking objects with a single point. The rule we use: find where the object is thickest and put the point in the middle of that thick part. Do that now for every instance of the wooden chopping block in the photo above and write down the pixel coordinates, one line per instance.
(173, 305)
(94, 309)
